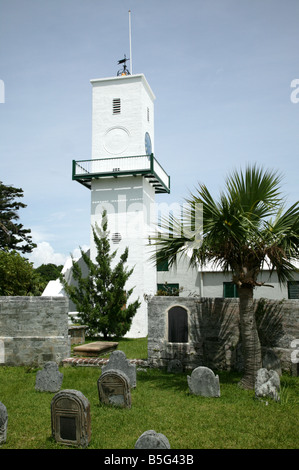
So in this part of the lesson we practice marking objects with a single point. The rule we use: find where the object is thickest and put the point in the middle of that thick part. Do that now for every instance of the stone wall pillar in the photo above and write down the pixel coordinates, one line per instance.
(33, 330)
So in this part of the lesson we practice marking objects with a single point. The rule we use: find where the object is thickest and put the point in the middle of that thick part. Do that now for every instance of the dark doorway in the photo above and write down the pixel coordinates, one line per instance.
(178, 325)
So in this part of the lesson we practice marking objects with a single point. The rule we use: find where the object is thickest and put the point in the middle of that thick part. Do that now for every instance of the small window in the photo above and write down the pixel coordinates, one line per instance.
(168, 289)
(116, 106)
(230, 290)
(147, 114)
(178, 325)
(293, 289)
(163, 266)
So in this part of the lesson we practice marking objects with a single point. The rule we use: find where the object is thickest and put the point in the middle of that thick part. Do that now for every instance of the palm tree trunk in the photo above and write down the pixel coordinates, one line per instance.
(250, 340)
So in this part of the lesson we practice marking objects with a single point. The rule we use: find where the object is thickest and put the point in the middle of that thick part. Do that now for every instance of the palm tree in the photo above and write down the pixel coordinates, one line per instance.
(246, 229)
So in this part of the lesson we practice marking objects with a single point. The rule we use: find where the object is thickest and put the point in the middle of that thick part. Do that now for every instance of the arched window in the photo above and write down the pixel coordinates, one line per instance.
(178, 325)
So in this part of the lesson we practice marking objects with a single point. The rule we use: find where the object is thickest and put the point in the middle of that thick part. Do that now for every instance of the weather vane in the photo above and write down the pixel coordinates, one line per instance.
(124, 70)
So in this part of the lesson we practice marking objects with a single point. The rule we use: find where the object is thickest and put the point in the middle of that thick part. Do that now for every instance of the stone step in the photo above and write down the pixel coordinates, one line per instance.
(97, 361)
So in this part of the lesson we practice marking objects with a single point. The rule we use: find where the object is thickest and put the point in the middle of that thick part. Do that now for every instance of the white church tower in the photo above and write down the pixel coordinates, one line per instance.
(123, 176)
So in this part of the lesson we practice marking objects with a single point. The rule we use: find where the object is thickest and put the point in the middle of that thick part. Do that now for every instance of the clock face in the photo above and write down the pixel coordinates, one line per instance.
(148, 144)
(116, 140)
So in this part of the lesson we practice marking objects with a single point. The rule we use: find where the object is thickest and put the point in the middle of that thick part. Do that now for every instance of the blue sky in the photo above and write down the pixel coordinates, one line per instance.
(222, 72)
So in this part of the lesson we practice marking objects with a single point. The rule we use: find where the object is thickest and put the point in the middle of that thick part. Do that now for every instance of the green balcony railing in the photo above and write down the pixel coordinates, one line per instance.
(146, 165)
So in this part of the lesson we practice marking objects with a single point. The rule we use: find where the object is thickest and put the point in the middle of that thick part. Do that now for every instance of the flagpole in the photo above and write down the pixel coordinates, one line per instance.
(130, 38)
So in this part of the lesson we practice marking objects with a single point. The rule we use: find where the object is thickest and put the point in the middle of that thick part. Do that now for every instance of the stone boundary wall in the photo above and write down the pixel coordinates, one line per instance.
(214, 334)
(33, 330)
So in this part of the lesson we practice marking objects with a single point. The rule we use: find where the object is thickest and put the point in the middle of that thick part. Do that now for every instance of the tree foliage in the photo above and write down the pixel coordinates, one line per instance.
(17, 275)
(49, 272)
(13, 236)
(101, 298)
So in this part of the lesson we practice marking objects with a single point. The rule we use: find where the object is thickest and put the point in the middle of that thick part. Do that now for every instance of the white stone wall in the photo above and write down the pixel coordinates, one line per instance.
(121, 134)
(130, 208)
(187, 278)
(129, 200)
(210, 283)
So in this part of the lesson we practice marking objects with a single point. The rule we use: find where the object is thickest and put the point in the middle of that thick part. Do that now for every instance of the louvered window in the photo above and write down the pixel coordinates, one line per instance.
(116, 106)
(116, 238)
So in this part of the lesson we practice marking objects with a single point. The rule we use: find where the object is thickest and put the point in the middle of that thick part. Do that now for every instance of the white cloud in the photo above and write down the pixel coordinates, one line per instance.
(45, 254)
(77, 252)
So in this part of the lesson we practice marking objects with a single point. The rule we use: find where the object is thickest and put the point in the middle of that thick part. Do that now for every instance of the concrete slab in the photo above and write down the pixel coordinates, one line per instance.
(95, 349)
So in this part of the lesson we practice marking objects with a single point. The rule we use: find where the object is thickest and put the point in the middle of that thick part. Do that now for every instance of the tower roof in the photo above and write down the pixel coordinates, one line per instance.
(128, 78)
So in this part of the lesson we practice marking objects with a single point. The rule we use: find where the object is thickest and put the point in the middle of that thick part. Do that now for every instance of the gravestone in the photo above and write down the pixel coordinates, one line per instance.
(204, 382)
(118, 361)
(271, 361)
(49, 379)
(70, 418)
(267, 384)
(3, 423)
(114, 388)
(152, 440)
(175, 366)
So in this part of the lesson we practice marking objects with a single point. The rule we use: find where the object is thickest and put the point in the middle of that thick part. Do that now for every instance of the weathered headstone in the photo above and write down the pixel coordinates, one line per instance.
(152, 440)
(204, 382)
(267, 384)
(70, 418)
(271, 361)
(49, 379)
(118, 361)
(175, 366)
(114, 388)
(3, 423)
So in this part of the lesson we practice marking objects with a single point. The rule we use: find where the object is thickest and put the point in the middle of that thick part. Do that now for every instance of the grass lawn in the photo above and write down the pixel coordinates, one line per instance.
(161, 401)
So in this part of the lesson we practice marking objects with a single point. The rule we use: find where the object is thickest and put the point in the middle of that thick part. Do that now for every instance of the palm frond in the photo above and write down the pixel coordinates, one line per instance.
(282, 242)
(256, 191)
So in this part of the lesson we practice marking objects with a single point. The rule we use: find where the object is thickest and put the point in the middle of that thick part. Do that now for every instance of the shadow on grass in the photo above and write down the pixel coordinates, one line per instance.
(117, 339)
(229, 377)
(160, 378)
(163, 380)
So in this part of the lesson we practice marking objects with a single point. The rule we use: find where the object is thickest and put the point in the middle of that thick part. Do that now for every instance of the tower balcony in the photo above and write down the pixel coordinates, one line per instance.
(84, 171)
